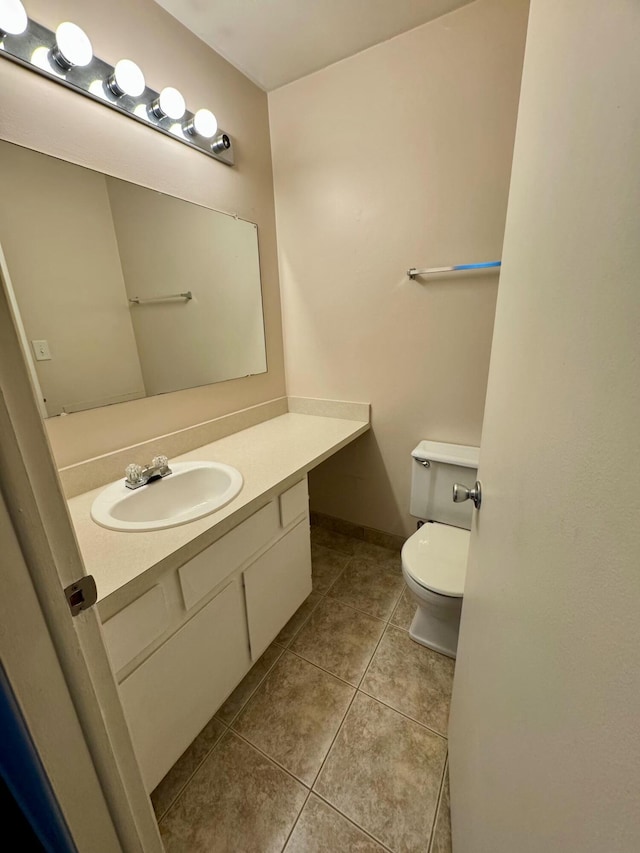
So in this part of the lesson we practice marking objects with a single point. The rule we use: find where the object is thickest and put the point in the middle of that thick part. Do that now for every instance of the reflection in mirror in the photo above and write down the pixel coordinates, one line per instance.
(99, 269)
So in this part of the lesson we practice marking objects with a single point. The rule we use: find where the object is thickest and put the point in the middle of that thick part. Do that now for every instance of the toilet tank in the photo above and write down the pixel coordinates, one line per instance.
(435, 467)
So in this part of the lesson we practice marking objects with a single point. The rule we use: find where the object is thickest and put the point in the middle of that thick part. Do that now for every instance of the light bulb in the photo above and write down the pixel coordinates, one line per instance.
(13, 18)
(72, 46)
(170, 103)
(204, 124)
(127, 79)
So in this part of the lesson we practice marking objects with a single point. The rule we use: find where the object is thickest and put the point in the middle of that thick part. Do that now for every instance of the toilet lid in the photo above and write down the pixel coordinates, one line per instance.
(435, 556)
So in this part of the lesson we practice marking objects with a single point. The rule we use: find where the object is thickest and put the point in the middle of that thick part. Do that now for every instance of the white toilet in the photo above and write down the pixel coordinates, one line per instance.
(434, 558)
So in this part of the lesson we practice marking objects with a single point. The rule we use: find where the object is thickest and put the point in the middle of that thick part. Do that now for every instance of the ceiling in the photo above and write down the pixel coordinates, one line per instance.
(275, 42)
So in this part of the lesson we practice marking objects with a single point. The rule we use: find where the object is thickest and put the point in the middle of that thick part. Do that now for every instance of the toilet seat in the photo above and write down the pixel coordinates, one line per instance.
(435, 557)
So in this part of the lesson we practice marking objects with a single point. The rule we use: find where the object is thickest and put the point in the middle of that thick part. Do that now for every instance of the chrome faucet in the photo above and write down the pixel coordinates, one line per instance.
(140, 475)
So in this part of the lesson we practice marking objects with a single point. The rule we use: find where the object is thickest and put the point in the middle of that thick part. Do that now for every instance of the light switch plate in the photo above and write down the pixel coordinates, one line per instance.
(41, 350)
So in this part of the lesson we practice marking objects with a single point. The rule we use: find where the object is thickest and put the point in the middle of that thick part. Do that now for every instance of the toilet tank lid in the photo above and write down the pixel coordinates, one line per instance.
(454, 454)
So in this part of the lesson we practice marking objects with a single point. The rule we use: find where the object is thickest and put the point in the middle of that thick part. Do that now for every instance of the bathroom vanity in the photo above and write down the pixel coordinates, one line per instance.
(187, 610)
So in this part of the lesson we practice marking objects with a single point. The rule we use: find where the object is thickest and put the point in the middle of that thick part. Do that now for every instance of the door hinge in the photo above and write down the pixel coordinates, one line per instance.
(82, 594)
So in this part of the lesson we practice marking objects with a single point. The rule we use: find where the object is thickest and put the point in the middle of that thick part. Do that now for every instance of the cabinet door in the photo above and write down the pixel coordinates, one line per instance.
(136, 626)
(204, 572)
(170, 697)
(276, 585)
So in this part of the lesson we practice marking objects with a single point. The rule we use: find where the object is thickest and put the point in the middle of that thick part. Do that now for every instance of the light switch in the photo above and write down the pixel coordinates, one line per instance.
(41, 350)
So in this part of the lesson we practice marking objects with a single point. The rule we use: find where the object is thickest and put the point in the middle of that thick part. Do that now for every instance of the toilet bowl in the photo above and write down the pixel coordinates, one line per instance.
(434, 558)
(434, 566)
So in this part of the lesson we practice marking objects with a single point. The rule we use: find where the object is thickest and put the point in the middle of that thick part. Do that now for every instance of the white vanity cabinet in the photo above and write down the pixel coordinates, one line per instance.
(181, 648)
(170, 697)
(274, 587)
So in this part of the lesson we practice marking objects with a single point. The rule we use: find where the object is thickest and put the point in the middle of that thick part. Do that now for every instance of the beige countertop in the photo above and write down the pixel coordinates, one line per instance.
(271, 456)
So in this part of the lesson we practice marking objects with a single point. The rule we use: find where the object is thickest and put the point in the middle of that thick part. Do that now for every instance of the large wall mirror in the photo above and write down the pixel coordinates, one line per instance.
(123, 292)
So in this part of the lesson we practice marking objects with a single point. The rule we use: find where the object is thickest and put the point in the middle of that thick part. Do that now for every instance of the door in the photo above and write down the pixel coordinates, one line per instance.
(545, 723)
(35, 694)
(56, 665)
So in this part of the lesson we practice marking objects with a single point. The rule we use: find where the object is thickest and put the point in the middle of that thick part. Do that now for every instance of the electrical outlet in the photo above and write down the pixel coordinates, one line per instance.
(41, 350)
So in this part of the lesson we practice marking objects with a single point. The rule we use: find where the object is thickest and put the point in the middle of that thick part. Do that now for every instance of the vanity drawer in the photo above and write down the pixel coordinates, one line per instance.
(204, 572)
(170, 697)
(135, 627)
(276, 585)
(294, 503)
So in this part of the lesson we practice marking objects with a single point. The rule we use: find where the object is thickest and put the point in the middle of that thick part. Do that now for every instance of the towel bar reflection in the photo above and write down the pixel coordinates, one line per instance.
(488, 265)
(141, 300)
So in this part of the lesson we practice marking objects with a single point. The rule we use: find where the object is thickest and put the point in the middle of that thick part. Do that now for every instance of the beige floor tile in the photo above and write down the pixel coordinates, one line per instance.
(384, 773)
(237, 801)
(411, 678)
(295, 714)
(386, 557)
(321, 829)
(369, 587)
(405, 611)
(334, 540)
(326, 567)
(243, 692)
(339, 639)
(298, 619)
(184, 768)
(442, 831)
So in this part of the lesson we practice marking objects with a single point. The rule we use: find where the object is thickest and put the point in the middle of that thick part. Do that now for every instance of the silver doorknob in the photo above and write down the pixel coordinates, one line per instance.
(464, 493)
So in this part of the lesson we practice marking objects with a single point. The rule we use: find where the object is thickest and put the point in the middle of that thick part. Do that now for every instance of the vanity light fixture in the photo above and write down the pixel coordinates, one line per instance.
(127, 79)
(203, 123)
(72, 47)
(169, 104)
(13, 18)
(65, 56)
(222, 143)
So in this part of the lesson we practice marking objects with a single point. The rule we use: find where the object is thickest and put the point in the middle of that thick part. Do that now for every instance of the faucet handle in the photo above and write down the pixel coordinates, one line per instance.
(160, 462)
(133, 473)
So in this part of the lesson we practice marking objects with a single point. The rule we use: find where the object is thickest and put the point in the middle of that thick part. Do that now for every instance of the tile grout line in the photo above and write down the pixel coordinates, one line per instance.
(295, 634)
(199, 765)
(295, 823)
(339, 575)
(352, 822)
(335, 737)
(438, 802)
(386, 704)
(359, 689)
(346, 714)
(322, 669)
(358, 610)
(328, 753)
(270, 758)
(251, 695)
(402, 714)
(364, 674)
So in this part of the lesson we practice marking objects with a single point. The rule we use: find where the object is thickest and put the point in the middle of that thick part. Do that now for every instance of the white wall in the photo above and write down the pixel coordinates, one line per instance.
(39, 114)
(397, 157)
(66, 274)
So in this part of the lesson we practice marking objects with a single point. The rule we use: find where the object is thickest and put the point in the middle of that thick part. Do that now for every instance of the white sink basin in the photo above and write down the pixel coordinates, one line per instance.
(193, 490)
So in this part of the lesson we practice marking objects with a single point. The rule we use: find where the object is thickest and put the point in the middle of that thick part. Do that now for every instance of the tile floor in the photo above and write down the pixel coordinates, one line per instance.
(335, 741)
